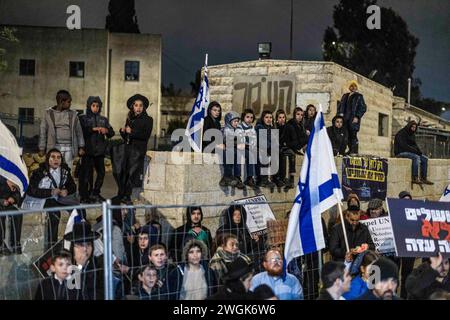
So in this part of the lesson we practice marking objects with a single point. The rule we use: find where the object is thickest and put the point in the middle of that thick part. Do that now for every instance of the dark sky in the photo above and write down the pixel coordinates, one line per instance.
(230, 29)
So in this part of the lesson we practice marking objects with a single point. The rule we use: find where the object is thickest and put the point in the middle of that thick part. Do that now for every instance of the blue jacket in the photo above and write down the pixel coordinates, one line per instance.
(357, 108)
(358, 287)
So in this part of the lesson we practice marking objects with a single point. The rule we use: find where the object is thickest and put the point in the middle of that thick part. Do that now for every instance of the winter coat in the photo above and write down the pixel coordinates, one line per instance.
(222, 259)
(92, 280)
(43, 171)
(47, 134)
(259, 127)
(352, 106)
(185, 233)
(405, 140)
(296, 137)
(176, 278)
(141, 130)
(422, 283)
(95, 142)
(358, 287)
(210, 123)
(355, 238)
(246, 243)
(338, 137)
(248, 133)
(5, 193)
(51, 289)
(230, 133)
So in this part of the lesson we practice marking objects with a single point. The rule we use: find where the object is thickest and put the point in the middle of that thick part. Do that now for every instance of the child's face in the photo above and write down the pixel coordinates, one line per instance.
(311, 112)
(82, 252)
(338, 123)
(234, 123)
(138, 107)
(54, 160)
(148, 278)
(143, 241)
(194, 256)
(248, 118)
(158, 258)
(268, 119)
(281, 120)
(95, 107)
(61, 268)
(215, 112)
(299, 116)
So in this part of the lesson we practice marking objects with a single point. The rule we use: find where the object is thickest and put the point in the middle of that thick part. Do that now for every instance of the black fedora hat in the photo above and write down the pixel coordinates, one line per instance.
(81, 233)
(238, 268)
(137, 96)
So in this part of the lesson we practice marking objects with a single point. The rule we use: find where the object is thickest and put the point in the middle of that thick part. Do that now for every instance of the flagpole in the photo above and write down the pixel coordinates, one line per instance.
(343, 225)
(201, 83)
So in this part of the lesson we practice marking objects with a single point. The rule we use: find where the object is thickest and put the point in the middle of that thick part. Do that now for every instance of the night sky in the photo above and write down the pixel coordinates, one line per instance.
(229, 31)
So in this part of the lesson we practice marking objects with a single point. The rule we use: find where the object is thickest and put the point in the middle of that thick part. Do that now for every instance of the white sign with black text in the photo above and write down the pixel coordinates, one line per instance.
(381, 232)
(257, 213)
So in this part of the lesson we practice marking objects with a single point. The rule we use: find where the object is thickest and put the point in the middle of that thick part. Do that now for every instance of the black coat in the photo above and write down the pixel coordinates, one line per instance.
(324, 295)
(357, 109)
(405, 140)
(422, 283)
(51, 289)
(338, 138)
(295, 136)
(95, 143)
(355, 238)
(233, 291)
(141, 130)
(210, 123)
(66, 182)
(177, 275)
(5, 193)
(92, 280)
(261, 126)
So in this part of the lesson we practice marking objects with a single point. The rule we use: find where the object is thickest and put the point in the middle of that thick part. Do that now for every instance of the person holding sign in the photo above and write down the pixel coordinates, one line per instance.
(428, 278)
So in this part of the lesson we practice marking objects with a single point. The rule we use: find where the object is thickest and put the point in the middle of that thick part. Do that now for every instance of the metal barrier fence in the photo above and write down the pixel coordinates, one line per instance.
(114, 267)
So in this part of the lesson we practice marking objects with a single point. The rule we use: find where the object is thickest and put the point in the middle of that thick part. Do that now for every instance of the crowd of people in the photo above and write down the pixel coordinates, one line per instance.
(244, 140)
(193, 263)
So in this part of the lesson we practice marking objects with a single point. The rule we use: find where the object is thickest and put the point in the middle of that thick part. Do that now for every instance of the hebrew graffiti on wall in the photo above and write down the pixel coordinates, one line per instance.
(264, 93)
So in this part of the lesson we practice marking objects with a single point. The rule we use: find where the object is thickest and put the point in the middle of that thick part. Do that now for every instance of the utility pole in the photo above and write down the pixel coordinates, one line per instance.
(292, 30)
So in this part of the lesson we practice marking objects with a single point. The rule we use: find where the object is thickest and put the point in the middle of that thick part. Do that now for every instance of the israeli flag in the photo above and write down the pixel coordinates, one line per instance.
(194, 129)
(446, 195)
(317, 191)
(12, 166)
(74, 218)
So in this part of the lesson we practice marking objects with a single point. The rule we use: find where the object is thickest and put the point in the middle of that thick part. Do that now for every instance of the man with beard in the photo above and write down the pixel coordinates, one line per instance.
(285, 289)
(386, 281)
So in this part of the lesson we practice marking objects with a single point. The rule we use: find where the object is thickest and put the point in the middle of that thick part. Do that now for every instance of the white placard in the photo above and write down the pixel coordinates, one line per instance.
(381, 232)
(257, 214)
(315, 98)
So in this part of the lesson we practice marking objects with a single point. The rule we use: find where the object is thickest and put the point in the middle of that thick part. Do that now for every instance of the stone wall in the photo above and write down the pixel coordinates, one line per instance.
(313, 77)
(188, 178)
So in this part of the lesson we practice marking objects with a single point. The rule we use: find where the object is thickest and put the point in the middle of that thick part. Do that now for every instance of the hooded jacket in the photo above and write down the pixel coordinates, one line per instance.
(230, 133)
(405, 140)
(95, 142)
(176, 277)
(222, 260)
(240, 230)
(185, 233)
(296, 137)
(338, 137)
(211, 123)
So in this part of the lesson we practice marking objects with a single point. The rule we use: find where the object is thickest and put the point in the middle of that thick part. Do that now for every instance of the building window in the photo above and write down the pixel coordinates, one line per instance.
(26, 115)
(27, 67)
(383, 125)
(131, 70)
(76, 69)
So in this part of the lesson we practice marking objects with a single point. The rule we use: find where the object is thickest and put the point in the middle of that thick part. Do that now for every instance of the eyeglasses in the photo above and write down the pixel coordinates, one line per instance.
(273, 260)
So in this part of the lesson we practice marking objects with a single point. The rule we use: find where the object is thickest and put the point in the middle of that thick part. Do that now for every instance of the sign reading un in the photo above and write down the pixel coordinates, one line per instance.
(264, 93)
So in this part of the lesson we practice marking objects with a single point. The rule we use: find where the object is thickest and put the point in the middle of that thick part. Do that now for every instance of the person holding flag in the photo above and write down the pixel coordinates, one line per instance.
(317, 191)
(13, 184)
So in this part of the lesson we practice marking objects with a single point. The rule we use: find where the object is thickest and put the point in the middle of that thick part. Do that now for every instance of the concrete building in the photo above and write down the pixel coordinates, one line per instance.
(85, 62)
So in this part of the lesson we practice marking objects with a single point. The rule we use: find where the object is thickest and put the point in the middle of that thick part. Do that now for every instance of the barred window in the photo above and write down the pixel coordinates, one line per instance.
(131, 70)
(27, 67)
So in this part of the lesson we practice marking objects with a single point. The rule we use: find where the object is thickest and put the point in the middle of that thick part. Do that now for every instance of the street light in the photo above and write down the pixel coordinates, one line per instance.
(264, 50)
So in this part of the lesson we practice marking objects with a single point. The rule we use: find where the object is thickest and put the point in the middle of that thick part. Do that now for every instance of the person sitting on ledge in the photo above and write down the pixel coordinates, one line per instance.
(405, 146)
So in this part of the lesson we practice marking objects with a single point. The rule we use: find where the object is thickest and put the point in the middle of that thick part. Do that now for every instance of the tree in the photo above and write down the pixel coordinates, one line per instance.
(390, 50)
(195, 85)
(122, 17)
(6, 35)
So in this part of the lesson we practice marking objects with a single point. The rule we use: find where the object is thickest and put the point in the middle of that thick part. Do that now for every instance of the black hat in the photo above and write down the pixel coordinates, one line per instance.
(238, 268)
(388, 269)
(137, 96)
(404, 194)
(81, 233)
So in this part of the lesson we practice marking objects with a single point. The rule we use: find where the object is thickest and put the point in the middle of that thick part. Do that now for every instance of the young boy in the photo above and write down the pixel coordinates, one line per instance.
(248, 134)
(148, 283)
(264, 125)
(233, 142)
(56, 287)
(96, 131)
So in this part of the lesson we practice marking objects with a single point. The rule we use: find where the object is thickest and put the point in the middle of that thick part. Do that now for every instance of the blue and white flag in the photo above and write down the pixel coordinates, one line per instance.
(12, 166)
(317, 191)
(74, 218)
(446, 195)
(194, 129)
